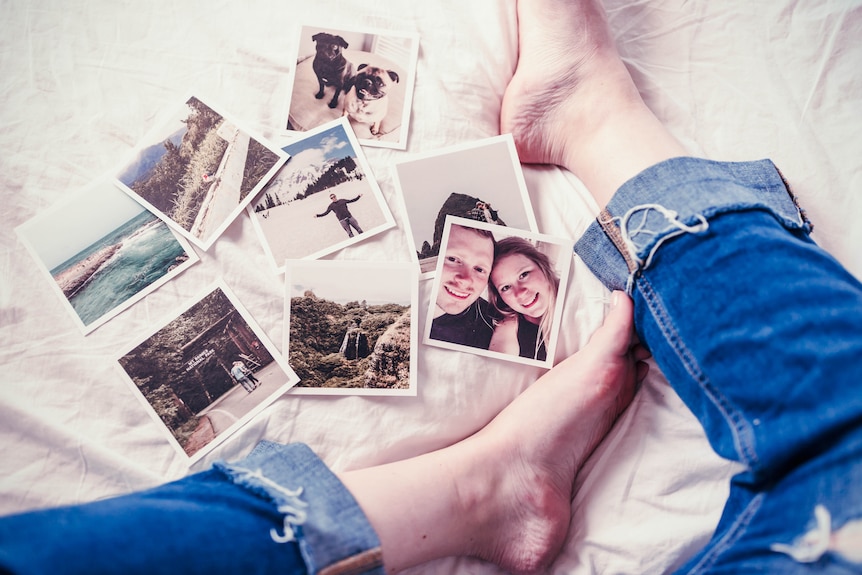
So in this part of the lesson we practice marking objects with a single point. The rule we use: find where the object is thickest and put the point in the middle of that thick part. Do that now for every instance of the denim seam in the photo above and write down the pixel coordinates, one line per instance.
(607, 221)
(734, 421)
(736, 531)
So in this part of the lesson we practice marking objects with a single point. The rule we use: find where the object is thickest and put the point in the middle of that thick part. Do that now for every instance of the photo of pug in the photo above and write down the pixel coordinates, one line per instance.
(366, 101)
(365, 76)
(330, 65)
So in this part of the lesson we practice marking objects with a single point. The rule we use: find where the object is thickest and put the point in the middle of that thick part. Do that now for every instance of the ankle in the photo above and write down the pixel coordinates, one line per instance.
(618, 139)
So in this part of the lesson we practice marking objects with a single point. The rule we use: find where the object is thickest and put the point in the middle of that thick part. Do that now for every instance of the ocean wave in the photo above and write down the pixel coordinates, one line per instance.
(73, 279)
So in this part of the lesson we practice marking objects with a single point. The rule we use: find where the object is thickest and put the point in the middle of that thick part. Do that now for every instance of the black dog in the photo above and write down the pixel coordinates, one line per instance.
(330, 65)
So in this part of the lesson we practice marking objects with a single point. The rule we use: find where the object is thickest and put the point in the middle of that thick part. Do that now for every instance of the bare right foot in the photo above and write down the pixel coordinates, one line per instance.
(573, 103)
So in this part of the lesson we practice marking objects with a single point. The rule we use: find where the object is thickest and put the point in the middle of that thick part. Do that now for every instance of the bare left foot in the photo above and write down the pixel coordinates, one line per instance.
(504, 494)
(534, 448)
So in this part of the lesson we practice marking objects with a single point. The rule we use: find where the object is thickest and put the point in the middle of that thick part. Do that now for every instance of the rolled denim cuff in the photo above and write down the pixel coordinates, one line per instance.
(673, 197)
(320, 515)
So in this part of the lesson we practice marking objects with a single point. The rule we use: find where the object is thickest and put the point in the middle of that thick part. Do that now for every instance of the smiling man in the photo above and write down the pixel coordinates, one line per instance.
(461, 315)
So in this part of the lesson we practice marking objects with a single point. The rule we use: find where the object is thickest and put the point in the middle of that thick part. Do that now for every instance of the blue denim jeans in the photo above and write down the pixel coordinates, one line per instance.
(760, 333)
(279, 510)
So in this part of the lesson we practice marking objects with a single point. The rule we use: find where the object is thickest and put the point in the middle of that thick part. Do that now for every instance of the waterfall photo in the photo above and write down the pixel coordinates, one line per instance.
(350, 327)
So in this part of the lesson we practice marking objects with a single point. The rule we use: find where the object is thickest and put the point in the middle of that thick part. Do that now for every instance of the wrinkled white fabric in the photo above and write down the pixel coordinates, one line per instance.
(82, 82)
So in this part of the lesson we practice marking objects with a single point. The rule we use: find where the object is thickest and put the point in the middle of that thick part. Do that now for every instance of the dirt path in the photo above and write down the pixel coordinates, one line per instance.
(201, 436)
(223, 196)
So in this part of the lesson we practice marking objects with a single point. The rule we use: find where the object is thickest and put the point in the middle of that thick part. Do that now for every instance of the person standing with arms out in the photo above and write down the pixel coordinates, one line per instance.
(342, 212)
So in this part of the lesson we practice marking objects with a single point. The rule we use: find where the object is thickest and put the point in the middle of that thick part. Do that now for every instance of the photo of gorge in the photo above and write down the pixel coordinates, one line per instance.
(348, 335)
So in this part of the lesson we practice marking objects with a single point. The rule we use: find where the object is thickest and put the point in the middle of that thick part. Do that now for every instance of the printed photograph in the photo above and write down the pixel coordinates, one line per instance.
(206, 373)
(350, 327)
(324, 198)
(199, 171)
(365, 76)
(102, 251)
(481, 181)
(498, 292)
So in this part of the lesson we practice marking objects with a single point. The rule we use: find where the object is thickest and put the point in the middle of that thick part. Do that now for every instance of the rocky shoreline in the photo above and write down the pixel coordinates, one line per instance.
(72, 279)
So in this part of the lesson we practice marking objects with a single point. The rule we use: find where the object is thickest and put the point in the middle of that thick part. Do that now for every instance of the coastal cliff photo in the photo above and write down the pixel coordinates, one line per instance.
(104, 252)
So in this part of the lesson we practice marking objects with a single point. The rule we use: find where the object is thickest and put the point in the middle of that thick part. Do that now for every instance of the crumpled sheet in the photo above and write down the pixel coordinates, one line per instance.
(81, 83)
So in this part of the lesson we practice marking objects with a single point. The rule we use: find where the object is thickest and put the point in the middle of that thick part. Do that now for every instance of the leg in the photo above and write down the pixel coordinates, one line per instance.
(754, 325)
(503, 494)
(355, 224)
(572, 99)
(334, 102)
(345, 223)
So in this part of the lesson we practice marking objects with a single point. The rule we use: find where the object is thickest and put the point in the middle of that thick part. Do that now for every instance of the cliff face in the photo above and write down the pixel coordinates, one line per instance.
(455, 205)
(389, 365)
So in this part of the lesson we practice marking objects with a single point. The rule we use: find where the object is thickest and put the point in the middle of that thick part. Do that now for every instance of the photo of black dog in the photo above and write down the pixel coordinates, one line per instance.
(330, 65)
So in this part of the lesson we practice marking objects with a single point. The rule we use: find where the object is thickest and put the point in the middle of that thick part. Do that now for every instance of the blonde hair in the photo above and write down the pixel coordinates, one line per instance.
(514, 245)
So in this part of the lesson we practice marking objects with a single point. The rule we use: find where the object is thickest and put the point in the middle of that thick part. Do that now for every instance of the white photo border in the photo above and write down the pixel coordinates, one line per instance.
(562, 265)
(406, 267)
(242, 421)
(409, 83)
(520, 182)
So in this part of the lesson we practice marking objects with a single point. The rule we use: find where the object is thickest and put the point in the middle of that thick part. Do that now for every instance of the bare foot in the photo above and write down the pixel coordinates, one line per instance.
(573, 103)
(504, 494)
(534, 448)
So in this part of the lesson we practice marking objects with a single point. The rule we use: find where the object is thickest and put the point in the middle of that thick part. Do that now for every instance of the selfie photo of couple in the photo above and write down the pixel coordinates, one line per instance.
(498, 292)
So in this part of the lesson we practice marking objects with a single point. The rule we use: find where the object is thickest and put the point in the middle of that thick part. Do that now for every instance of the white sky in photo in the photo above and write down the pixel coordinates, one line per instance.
(67, 228)
(318, 148)
(354, 282)
(486, 171)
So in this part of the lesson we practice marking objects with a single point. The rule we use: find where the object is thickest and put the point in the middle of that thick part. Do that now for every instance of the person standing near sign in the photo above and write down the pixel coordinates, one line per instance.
(242, 374)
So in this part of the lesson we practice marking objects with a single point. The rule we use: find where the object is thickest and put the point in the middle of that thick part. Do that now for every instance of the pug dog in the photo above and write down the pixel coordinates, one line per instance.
(367, 99)
(330, 65)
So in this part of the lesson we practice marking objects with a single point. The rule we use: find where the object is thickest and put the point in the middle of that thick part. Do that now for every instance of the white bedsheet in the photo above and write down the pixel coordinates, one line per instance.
(81, 82)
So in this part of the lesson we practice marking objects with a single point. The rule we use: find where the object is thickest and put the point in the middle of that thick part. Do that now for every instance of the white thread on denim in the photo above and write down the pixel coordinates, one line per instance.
(673, 219)
(810, 547)
(640, 229)
(293, 508)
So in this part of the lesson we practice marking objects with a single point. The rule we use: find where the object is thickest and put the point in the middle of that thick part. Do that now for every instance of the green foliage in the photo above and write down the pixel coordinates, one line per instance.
(317, 329)
(174, 186)
(258, 162)
(191, 190)
(160, 365)
(389, 365)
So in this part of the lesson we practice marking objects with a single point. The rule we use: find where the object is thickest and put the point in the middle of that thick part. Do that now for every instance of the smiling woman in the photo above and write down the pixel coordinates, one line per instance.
(523, 290)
